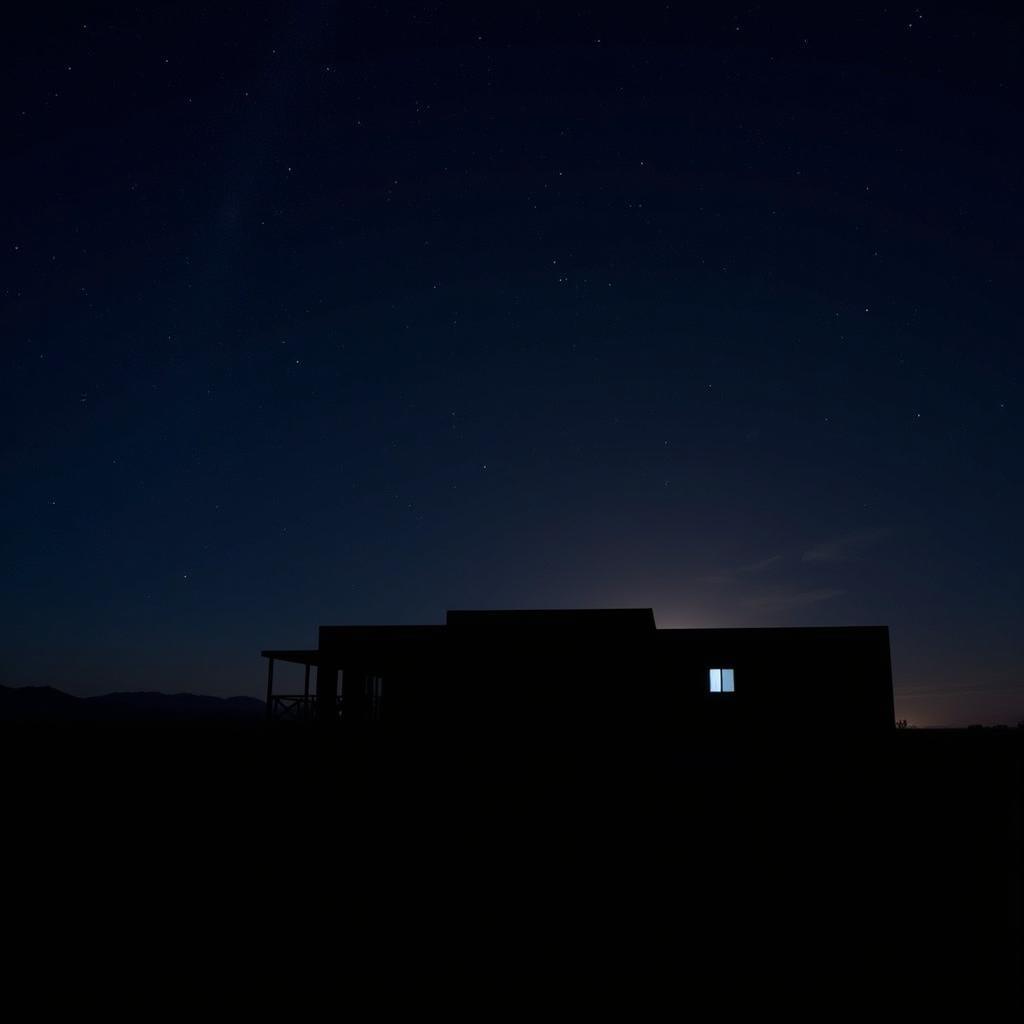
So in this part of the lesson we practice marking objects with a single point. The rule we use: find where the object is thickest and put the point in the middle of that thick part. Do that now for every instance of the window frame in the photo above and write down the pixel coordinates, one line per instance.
(721, 670)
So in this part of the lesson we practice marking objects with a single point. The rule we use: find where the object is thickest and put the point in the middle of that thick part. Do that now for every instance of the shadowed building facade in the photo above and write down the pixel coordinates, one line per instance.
(588, 672)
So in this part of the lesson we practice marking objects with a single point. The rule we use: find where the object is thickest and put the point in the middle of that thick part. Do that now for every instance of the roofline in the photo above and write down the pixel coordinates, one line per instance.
(296, 656)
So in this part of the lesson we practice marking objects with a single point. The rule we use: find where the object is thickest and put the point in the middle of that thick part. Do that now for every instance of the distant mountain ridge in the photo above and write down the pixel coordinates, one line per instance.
(48, 704)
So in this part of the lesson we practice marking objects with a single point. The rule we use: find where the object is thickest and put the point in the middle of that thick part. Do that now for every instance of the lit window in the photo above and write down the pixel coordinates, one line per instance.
(721, 680)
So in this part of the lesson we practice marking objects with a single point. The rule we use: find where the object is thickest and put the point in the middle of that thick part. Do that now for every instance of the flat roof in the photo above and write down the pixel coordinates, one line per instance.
(569, 619)
(298, 657)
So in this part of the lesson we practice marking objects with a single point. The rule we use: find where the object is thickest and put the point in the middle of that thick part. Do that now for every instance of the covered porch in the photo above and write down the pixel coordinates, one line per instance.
(295, 707)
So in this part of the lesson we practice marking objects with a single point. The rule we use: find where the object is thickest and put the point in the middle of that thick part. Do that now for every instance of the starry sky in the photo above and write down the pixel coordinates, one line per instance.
(351, 313)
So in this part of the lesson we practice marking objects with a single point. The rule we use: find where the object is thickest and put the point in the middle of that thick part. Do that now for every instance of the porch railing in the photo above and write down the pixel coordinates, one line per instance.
(297, 707)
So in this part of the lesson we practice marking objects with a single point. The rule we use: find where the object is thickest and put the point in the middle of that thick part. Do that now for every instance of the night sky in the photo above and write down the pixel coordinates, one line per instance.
(352, 313)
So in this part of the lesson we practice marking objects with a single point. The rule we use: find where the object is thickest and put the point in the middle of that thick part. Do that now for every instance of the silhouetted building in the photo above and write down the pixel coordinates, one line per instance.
(591, 671)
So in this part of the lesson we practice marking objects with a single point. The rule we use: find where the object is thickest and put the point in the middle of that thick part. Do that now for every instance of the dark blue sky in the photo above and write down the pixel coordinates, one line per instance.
(351, 313)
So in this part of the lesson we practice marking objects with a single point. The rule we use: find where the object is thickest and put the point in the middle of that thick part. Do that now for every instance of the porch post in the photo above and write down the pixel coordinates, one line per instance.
(305, 694)
(270, 688)
(327, 693)
(353, 694)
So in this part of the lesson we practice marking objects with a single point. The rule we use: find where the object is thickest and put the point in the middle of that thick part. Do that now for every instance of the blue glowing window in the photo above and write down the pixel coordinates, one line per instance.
(722, 680)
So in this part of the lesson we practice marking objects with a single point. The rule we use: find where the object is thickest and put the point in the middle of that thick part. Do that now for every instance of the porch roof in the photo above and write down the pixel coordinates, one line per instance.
(296, 657)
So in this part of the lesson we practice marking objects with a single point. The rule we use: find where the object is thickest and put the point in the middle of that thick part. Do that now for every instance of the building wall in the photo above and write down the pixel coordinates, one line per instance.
(598, 682)
(805, 679)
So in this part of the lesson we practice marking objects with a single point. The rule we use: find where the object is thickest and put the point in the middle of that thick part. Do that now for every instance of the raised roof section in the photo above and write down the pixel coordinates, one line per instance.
(617, 620)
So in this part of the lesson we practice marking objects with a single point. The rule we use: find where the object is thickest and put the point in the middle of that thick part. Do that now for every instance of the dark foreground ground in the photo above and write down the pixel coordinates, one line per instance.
(876, 876)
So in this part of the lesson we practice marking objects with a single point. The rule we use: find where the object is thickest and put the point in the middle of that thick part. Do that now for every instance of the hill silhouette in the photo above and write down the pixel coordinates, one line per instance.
(42, 704)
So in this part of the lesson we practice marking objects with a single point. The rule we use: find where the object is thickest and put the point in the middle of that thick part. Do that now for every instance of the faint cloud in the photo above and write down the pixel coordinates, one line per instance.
(766, 589)
(765, 563)
(734, 573)
(782, 599)
(842, 549)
